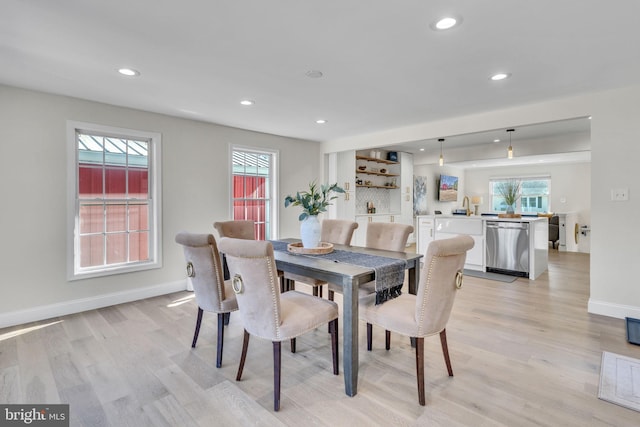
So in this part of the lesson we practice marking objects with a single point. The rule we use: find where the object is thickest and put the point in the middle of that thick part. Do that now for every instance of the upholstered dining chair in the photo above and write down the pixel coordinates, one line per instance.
(336, 231)
(211, 291)
(427, 313)
(268, 314)
(389, 236)
(239, 229)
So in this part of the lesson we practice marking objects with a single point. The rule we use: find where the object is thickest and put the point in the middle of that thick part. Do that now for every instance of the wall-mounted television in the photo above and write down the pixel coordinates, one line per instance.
(448, 188)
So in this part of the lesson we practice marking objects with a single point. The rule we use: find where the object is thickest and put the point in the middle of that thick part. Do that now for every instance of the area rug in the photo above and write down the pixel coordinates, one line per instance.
(620, 380)
(489, 276)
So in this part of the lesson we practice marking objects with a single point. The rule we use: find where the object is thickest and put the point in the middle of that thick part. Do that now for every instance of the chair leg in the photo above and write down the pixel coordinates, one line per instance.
(227, 317)
(277, 359)
(315, 291)
(293, 345)
(369, 334)
(333, 326)
(387, 339)
(198, 321)
(420, 369)
(243, 355)
(445, 351)
(221, 319)
(330, 295)
(320, 290)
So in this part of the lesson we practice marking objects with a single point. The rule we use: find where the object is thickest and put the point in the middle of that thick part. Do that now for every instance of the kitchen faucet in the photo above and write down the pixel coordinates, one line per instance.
(466, 200)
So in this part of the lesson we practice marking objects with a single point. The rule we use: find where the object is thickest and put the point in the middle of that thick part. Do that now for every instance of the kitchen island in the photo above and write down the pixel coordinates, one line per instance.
(514, 246)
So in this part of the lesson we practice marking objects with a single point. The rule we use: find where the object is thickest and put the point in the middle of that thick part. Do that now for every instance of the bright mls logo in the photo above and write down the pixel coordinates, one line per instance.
(34, 415)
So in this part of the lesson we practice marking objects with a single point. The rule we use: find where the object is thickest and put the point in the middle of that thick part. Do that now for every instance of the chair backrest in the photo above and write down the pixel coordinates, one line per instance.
(337, 231)
(443, 265)
(258, 293)
(205, 269)
(389, 236)
(238, 229)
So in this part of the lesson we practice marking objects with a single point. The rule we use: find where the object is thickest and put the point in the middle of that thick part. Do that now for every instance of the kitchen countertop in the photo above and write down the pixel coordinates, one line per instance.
(488, 218)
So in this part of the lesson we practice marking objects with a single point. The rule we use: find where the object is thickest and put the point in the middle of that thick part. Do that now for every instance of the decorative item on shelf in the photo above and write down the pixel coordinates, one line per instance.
(374, 170)
(367, 183)
(313, 202)
(393, 156)
(510, 192)
(362, 168)
(476, 201)
(378, 154)
(358, 181)
(383, 170)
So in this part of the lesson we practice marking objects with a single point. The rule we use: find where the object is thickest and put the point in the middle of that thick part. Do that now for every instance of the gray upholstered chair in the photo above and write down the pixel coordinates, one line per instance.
(389, 236)
(211, 291)
(554, 231)
(427, 313)
(237, 229)
(336, 231)
(268, 314)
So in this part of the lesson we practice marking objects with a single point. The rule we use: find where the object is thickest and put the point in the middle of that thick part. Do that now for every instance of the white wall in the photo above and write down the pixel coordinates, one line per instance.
(432, 173)
(615, 151)
(33, 172)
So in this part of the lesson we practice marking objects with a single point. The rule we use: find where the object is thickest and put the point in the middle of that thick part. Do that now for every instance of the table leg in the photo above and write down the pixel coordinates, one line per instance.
(414, 279)
(350, 337)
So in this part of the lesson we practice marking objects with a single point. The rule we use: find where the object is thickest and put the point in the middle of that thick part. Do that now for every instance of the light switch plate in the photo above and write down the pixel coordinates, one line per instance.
(619, 194)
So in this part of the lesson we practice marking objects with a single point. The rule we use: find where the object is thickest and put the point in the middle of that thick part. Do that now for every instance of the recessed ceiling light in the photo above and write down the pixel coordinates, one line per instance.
(321, 121)
(314, 74)
(129, 72)
(496, 140)
(445, 23)
(422, 149)
(247, 102)
(500, 76)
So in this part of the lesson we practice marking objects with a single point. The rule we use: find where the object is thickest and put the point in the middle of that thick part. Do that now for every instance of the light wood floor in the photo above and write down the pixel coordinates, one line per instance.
(524, 354)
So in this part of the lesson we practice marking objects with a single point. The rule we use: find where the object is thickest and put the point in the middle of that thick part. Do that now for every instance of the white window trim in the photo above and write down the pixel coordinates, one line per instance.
(275, 206)
(155, 226)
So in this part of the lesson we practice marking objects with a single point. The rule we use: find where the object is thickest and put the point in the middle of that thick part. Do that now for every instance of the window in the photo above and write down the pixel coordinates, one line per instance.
(534, 194)
(253, 189)
(113, 200)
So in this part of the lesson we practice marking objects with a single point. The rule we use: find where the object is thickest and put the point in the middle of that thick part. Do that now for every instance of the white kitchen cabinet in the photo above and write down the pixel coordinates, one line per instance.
(424, 232)
(447, 227)
(346, 203)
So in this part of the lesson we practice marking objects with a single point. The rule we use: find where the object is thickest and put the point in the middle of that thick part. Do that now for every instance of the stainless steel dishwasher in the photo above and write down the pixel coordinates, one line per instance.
(508, 248)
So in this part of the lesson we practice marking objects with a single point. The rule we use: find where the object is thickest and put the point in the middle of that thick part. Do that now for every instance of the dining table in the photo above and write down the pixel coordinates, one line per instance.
(349, 277)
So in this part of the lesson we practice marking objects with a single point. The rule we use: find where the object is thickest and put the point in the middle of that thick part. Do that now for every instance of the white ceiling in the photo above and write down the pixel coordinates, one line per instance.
(383, 65)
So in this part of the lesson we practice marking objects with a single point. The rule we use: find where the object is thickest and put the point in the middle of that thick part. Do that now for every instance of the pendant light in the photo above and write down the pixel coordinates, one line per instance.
(510, 149)
(441, 161)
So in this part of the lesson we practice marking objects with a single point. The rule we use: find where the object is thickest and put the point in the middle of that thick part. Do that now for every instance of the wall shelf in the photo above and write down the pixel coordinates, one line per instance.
(372, 159)
(388, 187)
(376, 173)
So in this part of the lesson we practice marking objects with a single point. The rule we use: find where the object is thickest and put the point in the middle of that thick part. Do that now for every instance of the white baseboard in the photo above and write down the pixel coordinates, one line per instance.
(34, 314)
(613, 310)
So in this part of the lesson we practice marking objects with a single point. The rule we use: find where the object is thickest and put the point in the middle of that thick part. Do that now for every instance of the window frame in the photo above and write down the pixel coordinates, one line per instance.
(518, 207)
(274, 174)
(74, 271)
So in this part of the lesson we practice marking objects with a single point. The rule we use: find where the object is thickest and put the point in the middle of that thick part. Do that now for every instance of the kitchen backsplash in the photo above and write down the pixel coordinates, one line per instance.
(379, 196)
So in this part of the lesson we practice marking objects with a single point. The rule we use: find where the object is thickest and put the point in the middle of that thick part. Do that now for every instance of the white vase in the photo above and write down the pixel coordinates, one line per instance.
(310, 232)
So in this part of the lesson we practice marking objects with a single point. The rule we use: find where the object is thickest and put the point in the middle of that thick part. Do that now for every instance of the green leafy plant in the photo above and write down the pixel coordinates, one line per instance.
(509, 190)
(315, 200)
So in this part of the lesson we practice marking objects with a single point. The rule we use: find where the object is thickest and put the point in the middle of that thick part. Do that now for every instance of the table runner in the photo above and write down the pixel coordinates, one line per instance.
(389, 271)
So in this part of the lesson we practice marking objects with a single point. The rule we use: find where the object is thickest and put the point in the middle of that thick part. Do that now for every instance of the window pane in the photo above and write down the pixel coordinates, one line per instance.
(139, 246)
(138, 217)
(91, 250)
(251, 190)
(116, 248)
(90, 182)
(91, 218)
(116, 217)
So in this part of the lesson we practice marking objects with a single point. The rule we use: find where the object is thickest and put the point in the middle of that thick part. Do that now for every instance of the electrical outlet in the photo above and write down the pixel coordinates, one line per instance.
(620, 194)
